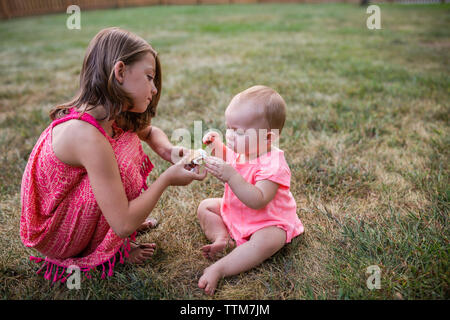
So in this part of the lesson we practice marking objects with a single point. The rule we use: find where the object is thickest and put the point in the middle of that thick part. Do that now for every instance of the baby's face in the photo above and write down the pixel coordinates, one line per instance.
(247, 128)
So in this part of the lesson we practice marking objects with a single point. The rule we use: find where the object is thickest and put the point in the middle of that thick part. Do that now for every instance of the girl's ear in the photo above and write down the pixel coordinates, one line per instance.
(119, 70)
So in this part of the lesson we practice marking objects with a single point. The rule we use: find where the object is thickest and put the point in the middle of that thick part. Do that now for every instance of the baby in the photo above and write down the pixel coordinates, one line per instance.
(257, 209)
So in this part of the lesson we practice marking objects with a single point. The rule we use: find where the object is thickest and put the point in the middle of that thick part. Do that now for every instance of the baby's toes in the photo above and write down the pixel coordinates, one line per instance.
(202, 283)
(205, 253)
(209, 289)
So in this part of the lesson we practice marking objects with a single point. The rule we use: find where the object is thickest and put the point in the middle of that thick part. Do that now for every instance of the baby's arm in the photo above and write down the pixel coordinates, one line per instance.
(159, 142)
(255, 196)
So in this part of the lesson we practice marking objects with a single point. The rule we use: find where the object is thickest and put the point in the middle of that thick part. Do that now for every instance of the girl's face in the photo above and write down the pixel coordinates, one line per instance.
(138, 82)
(247, 128)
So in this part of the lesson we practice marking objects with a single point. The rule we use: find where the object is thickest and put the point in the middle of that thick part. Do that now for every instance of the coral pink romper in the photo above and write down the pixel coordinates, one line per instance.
(242, 221)
(60, 216)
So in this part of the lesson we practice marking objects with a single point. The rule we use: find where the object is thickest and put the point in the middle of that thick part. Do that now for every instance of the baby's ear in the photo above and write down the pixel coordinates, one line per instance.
(273, 135)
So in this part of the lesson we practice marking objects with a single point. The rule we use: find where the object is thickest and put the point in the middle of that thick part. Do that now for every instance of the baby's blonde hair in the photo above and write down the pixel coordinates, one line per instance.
(271, 103)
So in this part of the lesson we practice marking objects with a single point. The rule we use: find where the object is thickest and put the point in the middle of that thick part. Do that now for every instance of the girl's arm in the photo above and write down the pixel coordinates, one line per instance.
(159, 142)
(96, 155)
(255, 196)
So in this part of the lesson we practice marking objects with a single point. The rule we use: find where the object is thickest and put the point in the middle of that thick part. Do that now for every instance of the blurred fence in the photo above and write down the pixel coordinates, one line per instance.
(20, 8)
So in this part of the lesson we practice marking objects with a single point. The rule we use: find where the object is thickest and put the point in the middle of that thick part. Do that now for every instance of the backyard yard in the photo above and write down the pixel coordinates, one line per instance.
(366, 137)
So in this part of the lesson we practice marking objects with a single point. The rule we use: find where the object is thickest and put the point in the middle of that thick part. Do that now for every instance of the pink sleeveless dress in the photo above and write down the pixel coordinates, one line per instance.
(60, 216)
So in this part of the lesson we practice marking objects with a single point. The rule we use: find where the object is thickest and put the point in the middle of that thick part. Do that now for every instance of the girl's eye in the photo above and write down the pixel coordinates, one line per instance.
(150, 78)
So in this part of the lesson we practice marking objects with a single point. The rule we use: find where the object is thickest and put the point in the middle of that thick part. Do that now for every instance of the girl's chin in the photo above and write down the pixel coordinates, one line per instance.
(138, 109)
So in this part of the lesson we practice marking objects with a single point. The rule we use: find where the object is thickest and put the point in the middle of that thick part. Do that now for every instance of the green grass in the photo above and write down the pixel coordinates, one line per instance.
(367, 139)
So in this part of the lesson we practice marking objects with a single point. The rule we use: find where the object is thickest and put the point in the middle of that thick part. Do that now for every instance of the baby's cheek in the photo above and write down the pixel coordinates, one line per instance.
(239, 144)
(251, 144)
(229, 137)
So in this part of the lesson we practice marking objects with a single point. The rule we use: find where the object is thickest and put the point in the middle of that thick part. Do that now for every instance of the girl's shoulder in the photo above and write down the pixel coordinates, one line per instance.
(67, 136)
(74, 130)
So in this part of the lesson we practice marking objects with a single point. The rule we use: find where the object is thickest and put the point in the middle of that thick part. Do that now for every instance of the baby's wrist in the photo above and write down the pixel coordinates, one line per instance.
(214, 144)
(213, 149)
(233, 176)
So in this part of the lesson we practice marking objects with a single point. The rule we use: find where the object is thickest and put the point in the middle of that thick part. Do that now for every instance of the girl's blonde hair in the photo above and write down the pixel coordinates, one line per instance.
(98, 85)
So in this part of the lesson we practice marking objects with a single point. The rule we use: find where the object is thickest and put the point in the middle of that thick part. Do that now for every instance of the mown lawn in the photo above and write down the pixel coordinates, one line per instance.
(367, 139)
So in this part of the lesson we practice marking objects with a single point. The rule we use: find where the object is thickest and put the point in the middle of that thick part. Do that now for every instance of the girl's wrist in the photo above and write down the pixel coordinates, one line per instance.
(169, 151)
(164, 179)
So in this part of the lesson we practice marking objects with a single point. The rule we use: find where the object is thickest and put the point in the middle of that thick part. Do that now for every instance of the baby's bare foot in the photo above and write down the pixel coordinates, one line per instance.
(208, 281)
(140, 252)
(210, 251)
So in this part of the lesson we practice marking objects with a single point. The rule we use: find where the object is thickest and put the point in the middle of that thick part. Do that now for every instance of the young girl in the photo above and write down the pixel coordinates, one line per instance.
(81, 193)
(257, 209)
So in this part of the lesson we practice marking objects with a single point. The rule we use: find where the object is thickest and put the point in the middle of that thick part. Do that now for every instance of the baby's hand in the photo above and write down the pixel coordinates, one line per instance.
(210, 137)
(219, 168)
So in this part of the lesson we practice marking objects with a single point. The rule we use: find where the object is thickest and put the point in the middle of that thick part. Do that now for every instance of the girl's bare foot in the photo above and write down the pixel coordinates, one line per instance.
(140, 252)
(210, 251)
(148, 224)
(208, 281)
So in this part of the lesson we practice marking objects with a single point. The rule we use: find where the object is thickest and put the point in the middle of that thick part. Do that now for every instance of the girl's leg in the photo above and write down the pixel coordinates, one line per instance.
(262, 245)
(213, 227)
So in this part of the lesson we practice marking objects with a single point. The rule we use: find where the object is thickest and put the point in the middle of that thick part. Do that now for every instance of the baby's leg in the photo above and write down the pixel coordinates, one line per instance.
(213, 227)
(262, 245)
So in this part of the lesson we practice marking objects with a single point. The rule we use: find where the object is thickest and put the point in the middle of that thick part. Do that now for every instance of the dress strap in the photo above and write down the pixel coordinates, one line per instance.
(85, 117)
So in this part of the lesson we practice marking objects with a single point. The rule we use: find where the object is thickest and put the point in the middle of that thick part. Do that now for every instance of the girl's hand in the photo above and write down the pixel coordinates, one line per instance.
(179, 174)
(177, 153)
(220, 169)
